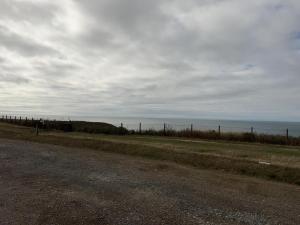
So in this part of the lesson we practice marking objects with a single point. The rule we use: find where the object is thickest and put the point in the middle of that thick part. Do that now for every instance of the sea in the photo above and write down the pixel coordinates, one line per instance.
(133, 123)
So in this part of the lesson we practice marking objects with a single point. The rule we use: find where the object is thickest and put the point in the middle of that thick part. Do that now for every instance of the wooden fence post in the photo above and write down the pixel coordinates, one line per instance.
(37, 129)
(140, 128)
(192, 128)
(287, 135)
(164, 129)
(219, 130)
(121, 130)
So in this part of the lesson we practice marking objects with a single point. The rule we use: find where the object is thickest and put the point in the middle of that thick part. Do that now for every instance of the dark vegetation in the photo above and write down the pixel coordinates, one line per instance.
(68, 126)
(227, 136)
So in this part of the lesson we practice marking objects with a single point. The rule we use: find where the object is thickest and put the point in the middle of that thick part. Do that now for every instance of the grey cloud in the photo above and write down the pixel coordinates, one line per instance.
(181, 43)
(127, 15)
(161, 56)
(2, 60)
(15, 79)
(55, 69)
(27, 47)
(27, 11)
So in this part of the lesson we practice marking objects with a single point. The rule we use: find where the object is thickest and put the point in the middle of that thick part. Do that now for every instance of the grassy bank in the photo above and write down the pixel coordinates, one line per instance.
(281, 163)
(67, 126)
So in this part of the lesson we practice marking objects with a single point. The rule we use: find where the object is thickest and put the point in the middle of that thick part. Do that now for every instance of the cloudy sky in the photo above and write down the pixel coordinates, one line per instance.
(232, 59)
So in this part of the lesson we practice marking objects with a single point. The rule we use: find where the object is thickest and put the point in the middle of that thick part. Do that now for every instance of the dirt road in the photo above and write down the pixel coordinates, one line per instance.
(45, 184)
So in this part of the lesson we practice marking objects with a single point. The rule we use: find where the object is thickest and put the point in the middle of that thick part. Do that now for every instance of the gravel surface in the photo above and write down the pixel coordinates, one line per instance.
(45, 184)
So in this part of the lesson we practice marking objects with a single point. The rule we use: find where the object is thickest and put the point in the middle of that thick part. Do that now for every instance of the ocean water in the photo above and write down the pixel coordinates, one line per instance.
(267, 127)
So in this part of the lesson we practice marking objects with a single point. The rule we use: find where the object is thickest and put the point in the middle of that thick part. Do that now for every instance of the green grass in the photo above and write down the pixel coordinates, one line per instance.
(239, 158)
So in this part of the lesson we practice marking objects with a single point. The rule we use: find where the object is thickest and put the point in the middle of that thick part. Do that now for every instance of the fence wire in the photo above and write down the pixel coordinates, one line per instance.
(279, 129)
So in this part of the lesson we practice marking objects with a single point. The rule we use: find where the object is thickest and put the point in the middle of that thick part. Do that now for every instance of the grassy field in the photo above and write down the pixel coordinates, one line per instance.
(274, 154)
(275, 162)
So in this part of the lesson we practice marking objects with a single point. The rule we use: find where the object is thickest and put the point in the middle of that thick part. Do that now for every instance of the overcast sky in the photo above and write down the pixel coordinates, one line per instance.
(230, 59)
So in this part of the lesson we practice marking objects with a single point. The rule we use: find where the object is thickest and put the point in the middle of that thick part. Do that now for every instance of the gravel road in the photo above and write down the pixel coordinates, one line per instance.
(46, 184)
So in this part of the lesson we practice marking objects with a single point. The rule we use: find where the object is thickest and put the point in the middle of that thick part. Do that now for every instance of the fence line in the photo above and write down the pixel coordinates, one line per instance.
(167, 127)
(141, 127)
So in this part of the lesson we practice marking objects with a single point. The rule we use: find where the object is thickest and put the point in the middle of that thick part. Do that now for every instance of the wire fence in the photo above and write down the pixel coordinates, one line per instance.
(290, 129)
(278, 134)
(140, 127)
